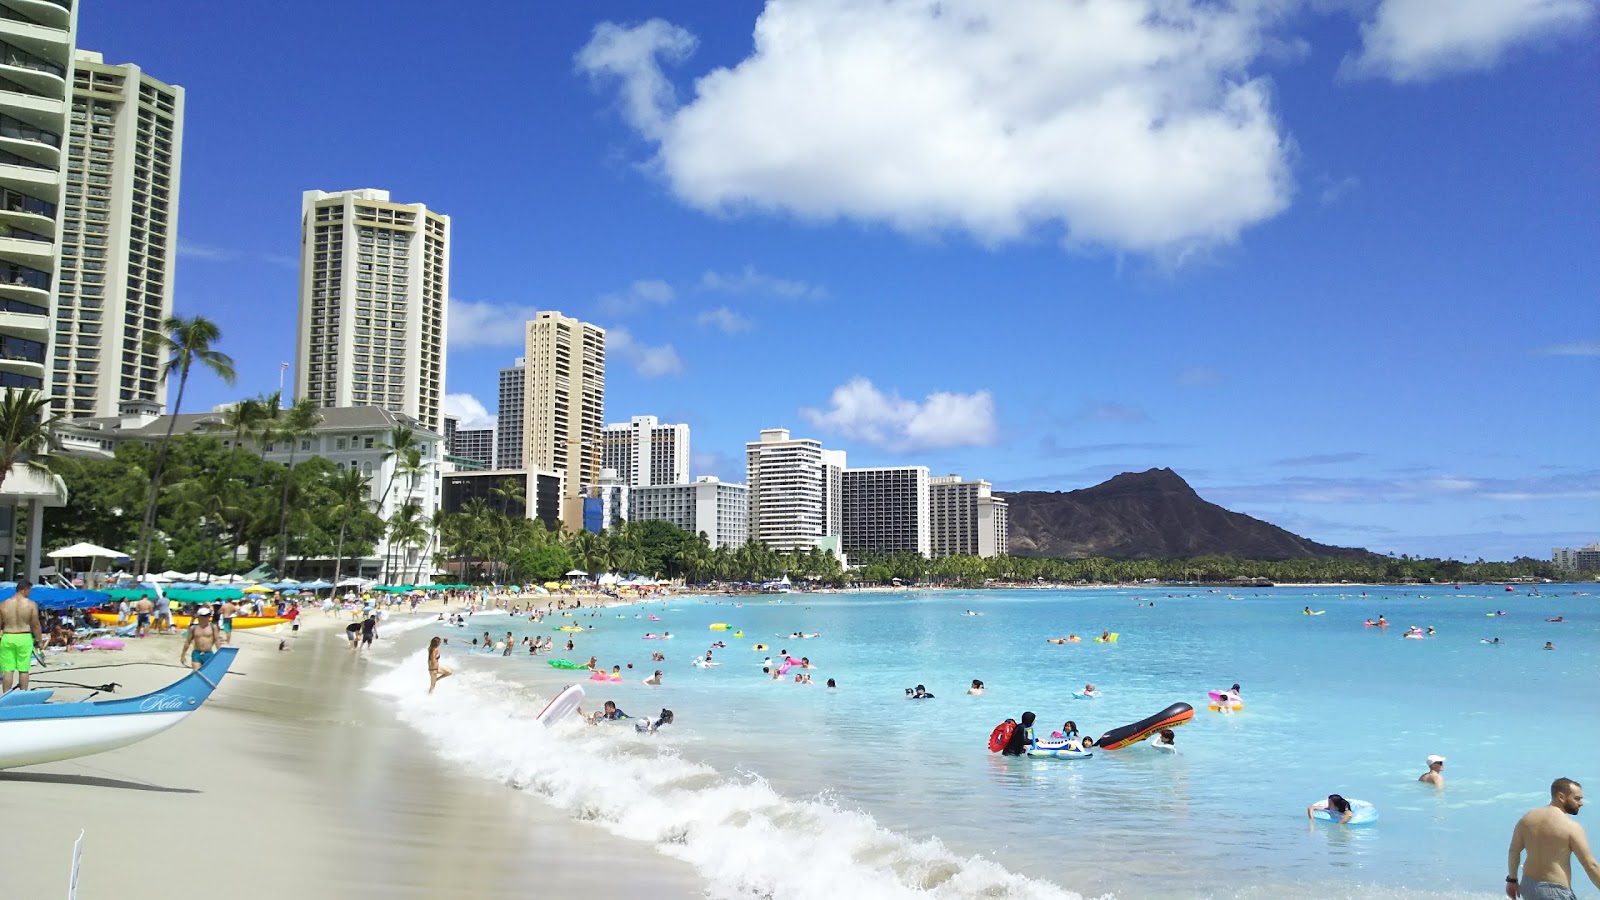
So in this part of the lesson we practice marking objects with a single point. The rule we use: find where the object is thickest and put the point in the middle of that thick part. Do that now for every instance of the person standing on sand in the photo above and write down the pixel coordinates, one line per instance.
(19, 622)
(202, 638)
(225, 616)
(1550, 838)
(142, 611)
(435, 671)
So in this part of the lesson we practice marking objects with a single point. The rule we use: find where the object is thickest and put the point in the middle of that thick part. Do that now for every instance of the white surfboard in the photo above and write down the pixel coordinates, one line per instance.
(562, 706)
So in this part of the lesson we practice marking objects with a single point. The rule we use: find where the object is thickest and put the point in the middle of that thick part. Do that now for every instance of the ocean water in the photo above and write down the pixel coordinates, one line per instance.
(781, 790)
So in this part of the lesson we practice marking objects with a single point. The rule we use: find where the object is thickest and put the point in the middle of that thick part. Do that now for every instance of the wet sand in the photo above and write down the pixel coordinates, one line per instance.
(292, 782)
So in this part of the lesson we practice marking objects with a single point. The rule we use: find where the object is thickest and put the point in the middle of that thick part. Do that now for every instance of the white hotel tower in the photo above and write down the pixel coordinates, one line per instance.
(374, 282)
(795, 491)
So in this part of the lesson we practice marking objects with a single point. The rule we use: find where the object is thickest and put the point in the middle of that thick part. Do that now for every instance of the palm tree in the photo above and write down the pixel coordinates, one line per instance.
(352, 495)
(401, 441)
(299, 422)
(405, 528)
(185, 342)
(25, 429)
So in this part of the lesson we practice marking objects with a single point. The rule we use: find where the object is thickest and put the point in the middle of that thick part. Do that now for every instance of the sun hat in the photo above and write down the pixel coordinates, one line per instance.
(203, 611)
(1435, 758)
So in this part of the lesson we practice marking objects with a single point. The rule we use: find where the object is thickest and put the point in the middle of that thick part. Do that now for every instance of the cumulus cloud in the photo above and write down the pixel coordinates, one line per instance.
(474, 324)
(858, 410)
(637, 296)
(751, 280)
(723, 319)
(469, 410)
(1415, 40)
(1130, 124)
(649, 362)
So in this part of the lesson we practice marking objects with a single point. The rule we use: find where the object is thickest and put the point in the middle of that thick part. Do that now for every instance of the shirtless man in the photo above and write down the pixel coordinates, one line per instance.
(19, 620)
(202, 639)
(225, 619)
(1550, 839)
(1435, 773)
(142, 611)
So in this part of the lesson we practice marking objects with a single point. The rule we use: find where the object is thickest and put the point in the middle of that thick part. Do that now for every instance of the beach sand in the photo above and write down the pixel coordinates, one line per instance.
(292, 782)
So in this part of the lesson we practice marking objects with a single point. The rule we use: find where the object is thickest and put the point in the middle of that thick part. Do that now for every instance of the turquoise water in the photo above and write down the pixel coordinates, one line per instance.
(895, 797)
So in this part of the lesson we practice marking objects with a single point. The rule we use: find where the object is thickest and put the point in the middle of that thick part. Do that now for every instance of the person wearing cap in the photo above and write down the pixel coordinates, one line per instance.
(1435, 773)
(201, 640)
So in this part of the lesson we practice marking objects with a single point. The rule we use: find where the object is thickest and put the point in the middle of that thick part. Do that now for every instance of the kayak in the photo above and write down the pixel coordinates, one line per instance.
(184, 621)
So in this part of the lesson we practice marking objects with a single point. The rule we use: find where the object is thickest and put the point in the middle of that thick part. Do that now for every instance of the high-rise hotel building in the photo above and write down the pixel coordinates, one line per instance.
(886, 510)
(968, 520)
(508, 431)
(645, 452)
(374, 282)
(119, 233)
(794, 487)
(564, 410)
(36, 46)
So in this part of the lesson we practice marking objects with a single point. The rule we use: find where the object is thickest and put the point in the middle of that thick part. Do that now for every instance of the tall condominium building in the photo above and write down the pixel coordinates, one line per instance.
(833, 465)
(886, 510)
(476, 444)
(564, 410)
(1577, 559)
(119, 228)
(717, 509)
(793, 503)
(374, 281)
(968, 520)
(508, 433)
(644, 452)
(36, 43)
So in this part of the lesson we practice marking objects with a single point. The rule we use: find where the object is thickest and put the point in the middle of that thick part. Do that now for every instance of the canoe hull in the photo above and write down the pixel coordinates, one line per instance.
(30, 743)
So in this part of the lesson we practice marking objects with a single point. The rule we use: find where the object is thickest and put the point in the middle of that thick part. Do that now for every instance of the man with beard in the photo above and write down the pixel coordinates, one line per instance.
(1551, 838)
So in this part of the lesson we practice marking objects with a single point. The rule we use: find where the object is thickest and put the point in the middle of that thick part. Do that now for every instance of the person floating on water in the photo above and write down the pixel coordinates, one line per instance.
(1549, 646)
(1336, 805)
(1550, 838)
(1435, 773)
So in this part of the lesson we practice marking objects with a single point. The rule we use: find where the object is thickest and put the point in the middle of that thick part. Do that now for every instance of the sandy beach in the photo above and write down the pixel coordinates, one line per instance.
(293, 782)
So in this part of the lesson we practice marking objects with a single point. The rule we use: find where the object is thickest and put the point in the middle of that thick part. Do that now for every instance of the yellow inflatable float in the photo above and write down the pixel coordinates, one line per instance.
(759, 647)
(1112, 639)
(719, 626)
(738, 634)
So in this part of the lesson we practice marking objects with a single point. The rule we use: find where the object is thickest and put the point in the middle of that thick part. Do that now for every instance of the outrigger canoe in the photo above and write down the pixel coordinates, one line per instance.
(184, 621)
(33, 730)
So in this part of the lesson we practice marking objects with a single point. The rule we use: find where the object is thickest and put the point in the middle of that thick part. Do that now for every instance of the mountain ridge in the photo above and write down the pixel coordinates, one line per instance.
(1154, 514)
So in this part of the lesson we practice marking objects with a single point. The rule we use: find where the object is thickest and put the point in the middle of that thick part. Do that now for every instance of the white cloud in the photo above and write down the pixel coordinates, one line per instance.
(750, 280)
(1132, 124)
(1576, 348)
(473, 324)
(1415, 40)
(188, 249)
(637, 296)
(723, 319)
(859, 411)
(469, 410)
(650, 362)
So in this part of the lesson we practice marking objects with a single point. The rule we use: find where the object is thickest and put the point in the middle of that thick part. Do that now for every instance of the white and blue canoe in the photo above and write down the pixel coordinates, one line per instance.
(34, 730)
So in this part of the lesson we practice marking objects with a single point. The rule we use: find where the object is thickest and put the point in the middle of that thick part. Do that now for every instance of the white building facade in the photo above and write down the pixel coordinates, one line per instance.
(374, 284)
(886, 510)
(967, 518)
(793, 491)
(643, 451)
(708, 506)
(119, 232)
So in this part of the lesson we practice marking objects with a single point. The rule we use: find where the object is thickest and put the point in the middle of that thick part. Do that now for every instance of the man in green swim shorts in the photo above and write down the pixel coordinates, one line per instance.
(20, 632)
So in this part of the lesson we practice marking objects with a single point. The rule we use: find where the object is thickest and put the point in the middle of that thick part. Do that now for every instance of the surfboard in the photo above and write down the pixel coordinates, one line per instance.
(562, 706)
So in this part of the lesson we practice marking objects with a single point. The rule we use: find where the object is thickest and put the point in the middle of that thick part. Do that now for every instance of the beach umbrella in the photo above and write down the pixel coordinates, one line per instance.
(257, 589)
(577, 573)
(84, 550)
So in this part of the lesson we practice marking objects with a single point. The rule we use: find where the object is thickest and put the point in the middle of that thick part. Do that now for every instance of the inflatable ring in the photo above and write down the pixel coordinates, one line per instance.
(738, 634)
(1235, 706)
(759, 647)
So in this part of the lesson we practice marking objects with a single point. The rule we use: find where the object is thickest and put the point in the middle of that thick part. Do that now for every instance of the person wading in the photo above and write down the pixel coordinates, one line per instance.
(1550, 838)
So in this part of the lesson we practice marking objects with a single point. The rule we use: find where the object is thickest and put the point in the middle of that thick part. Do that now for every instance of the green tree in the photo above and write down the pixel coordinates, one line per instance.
(25, 429)
(298, 424)
(352, 496)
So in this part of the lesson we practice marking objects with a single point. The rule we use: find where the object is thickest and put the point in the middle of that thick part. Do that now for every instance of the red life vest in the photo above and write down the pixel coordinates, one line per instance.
(1001, 735)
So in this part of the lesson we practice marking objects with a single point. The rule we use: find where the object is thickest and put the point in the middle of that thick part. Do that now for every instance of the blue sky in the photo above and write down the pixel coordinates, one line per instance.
(1334, 261)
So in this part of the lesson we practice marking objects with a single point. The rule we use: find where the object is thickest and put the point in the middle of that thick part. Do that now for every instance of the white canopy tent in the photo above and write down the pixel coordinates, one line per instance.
(86, 551)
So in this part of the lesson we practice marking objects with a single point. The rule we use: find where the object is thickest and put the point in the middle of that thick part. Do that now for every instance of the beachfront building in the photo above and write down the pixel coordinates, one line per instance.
(119, 228)
(350, 437)
(36, 56)
(564, 405)
(519, 493)
(508, 435)
(473, 444)
(643, 451)
(1577, 559)
(886, 510)
(795, 491)
(967, 518)
(707, 505)
(374, 282)
(616, 499)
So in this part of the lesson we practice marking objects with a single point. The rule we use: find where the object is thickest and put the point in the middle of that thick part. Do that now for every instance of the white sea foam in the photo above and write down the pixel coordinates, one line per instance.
(742, 836)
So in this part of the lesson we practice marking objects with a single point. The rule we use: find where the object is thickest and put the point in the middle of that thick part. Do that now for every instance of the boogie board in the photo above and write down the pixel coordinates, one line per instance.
(562, 706)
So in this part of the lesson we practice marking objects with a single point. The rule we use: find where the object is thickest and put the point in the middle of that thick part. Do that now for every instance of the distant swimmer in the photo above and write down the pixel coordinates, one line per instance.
(1490, 641)
(1089, 690)
(1549, 646)
(1435, 773)
(1382, 623)
(1557, 619)
(654, 679)
(921, 694)
(977, 688)
(651, 726)
(1335, 805)
(1165, 740)
(1550, 838)
(1105, 636)
(1060, 640)
(1306, 611)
